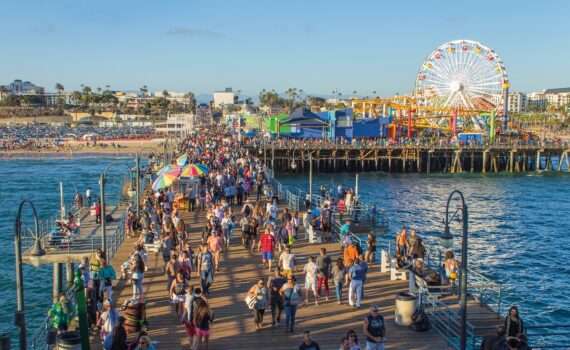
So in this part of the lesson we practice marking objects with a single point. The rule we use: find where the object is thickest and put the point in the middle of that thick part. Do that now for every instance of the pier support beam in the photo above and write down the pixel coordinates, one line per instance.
(57, 280)
(537, 166)
(484, 165)
(69, 273)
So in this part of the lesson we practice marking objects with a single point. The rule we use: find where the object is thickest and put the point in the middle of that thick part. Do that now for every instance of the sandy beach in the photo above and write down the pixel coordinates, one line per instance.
(81, 148)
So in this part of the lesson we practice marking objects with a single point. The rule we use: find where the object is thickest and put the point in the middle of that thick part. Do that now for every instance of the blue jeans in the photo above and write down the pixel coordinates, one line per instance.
(338, 288)
(290, 311)
(204, 277)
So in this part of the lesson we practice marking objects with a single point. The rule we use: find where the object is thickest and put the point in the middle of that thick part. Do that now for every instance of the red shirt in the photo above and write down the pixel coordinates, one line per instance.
(267, 242)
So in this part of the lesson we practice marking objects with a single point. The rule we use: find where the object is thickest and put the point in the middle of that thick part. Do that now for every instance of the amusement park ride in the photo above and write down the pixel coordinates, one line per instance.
(461, 87)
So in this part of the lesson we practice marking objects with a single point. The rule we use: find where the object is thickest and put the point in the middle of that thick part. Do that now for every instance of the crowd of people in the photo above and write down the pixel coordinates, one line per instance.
(235, 195)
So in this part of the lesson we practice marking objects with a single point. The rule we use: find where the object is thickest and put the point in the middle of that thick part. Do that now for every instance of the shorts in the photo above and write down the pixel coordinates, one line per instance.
(178, 298)
(202, 332)
(286, 272)
(310, 284)
(374, 346)
(267, 255)
(190, 329)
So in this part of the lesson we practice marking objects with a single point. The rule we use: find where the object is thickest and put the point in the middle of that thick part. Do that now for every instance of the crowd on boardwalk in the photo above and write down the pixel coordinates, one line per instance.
(235, 197)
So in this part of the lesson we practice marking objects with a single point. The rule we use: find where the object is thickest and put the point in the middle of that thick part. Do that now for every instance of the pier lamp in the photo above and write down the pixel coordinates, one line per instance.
(20, 319)
(293, 164)
(446, 240)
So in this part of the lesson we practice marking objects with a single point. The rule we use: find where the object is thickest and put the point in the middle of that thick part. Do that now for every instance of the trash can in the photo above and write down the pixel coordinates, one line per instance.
(134, 314)
(69, 341)
(405, 308)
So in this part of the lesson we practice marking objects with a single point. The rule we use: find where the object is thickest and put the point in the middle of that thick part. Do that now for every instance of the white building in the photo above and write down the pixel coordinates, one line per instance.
(557, 97)
(176, 124)
(225, 98)
(518, 102)
(536, 101)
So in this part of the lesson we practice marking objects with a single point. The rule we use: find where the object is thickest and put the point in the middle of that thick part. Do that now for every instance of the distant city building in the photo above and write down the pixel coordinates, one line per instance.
(518, 102)
(176, 124)
(225, 98)
(536, 101)
(557, 97)
(541, 100)
(20, 87)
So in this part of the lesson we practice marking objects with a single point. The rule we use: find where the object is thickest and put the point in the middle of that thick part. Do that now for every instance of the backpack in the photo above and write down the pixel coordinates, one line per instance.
(420, 321)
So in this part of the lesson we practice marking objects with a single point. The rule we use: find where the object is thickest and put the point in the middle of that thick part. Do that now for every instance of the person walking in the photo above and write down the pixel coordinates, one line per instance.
(339, 278)
(206, 268)
(266, 246)
(324, 265)
(202, 319)
(106, 323)
(137, 274)
(308, 343)
(291, 294)
(287, 262)
(88, 196)
(310, 270)
(275, 299)
(259, 293)
(374, 329)
(356, 276)
(215, 245)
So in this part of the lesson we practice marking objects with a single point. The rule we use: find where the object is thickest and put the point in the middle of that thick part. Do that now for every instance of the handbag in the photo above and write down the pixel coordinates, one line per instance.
(250, 301)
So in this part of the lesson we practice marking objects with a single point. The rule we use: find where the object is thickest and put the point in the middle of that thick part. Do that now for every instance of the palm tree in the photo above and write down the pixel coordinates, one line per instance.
(165, 93)
(291, 93)
(59, 88)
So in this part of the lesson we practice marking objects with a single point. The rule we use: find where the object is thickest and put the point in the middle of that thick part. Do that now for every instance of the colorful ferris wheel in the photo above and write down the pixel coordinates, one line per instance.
(462, 75)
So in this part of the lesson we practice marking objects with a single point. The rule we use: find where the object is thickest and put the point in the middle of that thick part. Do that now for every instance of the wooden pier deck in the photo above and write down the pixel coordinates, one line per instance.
(234, 328)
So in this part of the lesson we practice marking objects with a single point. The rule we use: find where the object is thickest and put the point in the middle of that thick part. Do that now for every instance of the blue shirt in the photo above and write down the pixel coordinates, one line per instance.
(356, 272)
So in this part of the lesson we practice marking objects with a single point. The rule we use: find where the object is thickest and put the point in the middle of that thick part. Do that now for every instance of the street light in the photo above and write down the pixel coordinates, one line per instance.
(37, 250)
(447, 242)
(102, 199)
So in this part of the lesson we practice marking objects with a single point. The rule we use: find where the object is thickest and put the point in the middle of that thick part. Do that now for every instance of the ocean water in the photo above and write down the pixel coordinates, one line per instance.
(519, 227)
(38, 180)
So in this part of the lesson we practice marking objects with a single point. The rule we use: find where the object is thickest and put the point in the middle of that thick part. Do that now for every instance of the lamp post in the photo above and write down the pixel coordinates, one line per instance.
(447, 242)
(102, 178)
(37, 250)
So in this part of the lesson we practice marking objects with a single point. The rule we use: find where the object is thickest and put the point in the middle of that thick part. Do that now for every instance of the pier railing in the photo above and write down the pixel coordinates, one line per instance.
(114, 241)
(82, 245)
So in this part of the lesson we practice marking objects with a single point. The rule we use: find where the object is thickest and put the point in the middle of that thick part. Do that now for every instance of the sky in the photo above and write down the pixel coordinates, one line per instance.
(314, 45)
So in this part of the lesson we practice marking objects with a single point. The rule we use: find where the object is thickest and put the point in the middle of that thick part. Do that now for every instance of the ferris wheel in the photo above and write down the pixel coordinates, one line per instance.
(462, 75)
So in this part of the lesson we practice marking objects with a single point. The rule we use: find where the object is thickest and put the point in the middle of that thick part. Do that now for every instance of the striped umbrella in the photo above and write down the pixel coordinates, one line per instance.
(166, 179)
(164, 169)
(182, 160)
(194, 170)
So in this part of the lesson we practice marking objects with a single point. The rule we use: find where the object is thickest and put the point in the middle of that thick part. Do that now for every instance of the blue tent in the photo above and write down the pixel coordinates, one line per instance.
(306, 124)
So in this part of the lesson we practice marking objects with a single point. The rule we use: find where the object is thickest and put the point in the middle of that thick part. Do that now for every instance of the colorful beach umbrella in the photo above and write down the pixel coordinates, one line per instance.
(165, 180)
(164, 169)
(182, 160)
(194, 170)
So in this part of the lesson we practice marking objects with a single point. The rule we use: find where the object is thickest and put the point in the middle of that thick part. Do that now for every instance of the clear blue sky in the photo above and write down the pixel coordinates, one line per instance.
(201, 46)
